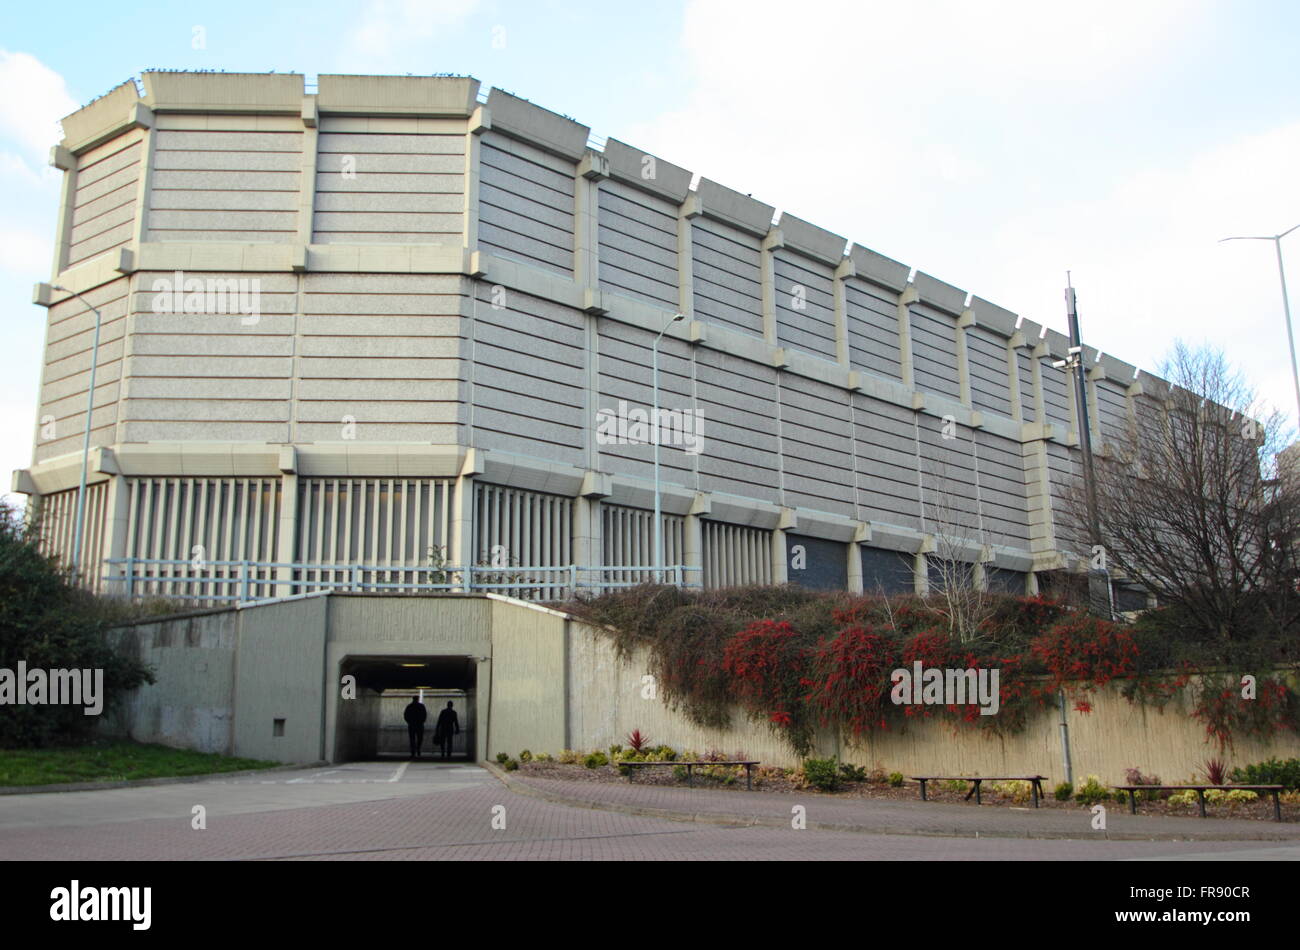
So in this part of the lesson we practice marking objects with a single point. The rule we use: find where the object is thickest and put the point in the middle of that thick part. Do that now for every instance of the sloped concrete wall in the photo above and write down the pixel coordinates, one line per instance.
(191, 705)
(608, 699)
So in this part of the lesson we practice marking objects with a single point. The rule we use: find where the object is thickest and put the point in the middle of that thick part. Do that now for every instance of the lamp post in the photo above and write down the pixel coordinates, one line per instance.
(654, 423)
(85, 442)
(1286, 304)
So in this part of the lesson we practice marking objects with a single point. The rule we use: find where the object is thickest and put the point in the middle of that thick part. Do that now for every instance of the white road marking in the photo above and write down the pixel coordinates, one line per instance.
(401, 770)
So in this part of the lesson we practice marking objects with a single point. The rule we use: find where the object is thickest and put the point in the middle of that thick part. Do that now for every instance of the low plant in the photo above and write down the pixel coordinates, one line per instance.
(569, 757)
(638, 741)
(666, 753)
(1272, 771)
(615, 749)
(1134, 776)
(595, 760)
(1064, 792)
(1091, 791)
(510, 765)
(896, 779)
(1216, 771)
(1182, 799)
(502, 757)
(1017, 790)
(852, 773)
(956, 785)
(543, 757)
(1239, 795)
(878, 776)
(525, 756)
(822, 774)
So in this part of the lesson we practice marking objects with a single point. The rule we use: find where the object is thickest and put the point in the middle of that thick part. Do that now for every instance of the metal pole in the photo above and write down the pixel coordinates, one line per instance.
(1286, 303)
(1286, 309)
(85, 442)
(1065, 739)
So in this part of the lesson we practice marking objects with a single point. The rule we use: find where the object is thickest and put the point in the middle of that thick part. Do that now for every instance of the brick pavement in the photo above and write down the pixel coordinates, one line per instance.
(890, 816)
(447, 815)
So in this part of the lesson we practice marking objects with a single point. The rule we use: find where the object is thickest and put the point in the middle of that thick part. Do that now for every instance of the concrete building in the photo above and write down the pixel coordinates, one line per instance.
(391, 331)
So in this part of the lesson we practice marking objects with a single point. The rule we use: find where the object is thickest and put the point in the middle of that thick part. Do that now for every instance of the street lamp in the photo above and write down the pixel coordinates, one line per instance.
(654, 422)
(85, 442)
(1286, 304)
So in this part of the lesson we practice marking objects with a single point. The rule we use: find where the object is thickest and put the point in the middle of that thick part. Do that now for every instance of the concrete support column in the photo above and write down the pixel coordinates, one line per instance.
(586, 233)
(780, 566)
(117, 506)
(307, 178)
(462, 552)
(908, 297)
(921, 572)
(843, 272)
(693, 539)
(1094, 374)
(686, 215)
(856, 579)
(479, 122)
(66, 162)
(967, 319)
(767, 267)
(288, 527)
(1014, 344)
(1039, 353)
(144, 184)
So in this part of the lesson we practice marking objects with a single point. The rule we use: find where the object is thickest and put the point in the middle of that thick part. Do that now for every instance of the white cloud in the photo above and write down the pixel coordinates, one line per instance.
(37, 99)
(932, 132)
(390, 27)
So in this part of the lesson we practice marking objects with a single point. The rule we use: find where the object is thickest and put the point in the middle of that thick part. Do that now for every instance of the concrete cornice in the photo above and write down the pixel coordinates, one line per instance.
(810, 240)
(224, 92)
(647, 172)
(731, 207)
(547, 130)
(397, 95)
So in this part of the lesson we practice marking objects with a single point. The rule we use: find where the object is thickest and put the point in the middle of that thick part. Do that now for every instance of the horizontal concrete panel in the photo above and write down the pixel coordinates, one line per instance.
(383, 182)
(367, 412)
(284, 162)
(379, 432)
(144, 388)
(346, 368)
(194, 141)
(166, 431)
(370, 143)
(230, 201)
(381, 389)
(242, 409)
(211, 366)
(384, 222)
(360, 347)
(190, 344)
(225, 180)
(371, 203)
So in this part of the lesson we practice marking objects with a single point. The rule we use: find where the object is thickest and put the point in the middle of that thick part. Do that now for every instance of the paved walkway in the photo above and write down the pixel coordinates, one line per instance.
(430, 811)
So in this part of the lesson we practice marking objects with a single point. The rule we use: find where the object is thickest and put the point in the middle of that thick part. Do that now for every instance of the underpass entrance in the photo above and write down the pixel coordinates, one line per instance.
(372, 725)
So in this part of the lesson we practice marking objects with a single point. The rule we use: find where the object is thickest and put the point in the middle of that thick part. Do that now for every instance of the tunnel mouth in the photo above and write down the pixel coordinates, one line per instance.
(372, 726)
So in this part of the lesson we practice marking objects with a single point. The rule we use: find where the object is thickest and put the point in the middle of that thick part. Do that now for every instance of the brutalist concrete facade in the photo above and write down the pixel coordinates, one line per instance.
(353, 326)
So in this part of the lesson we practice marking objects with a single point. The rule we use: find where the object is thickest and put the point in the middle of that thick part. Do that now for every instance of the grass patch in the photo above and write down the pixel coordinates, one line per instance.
(112, 760)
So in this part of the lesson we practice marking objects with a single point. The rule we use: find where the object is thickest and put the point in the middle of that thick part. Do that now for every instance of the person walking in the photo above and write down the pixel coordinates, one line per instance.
(415, 715)
(448, 725)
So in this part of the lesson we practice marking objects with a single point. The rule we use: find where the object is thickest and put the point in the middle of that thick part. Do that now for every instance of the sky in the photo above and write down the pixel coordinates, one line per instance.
(993, 145)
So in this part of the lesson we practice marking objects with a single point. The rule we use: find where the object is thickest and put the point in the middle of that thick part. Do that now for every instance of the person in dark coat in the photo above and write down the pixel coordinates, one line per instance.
(415, 715)
(448, 726)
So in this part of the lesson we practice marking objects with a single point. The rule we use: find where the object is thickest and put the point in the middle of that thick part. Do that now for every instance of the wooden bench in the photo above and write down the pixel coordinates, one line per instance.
(1035, 783)
(1200, 791)
(690, 766)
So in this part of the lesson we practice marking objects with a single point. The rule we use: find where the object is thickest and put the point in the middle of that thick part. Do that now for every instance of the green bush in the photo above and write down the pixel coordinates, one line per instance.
(502, 757)
(956, 785)
(1091, 791)
(543, 757)
(1064, 792)
(569, 757)
(666, 753)
(852, 773)
(595, 760)
(823, 774)
(50, 624)
(614, 750)
(1271, 772)
(510, 764)
(896, 779)
(525, 756)
(679, 772)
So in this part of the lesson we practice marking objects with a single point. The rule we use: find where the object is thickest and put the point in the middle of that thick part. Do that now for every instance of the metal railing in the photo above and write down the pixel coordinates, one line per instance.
(253, 581)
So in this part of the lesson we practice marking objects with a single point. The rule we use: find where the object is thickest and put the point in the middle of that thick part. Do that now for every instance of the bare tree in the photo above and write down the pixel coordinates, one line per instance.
(1189, 502)
(957, 592)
